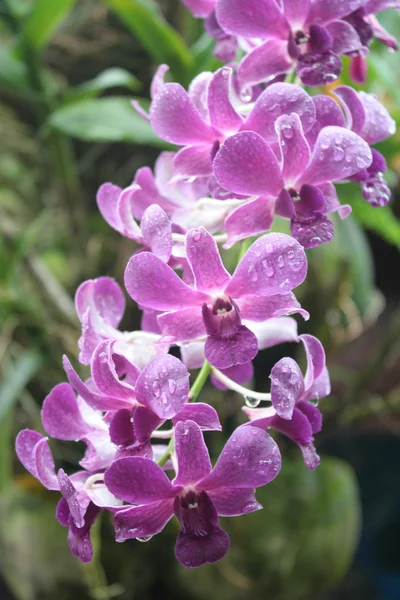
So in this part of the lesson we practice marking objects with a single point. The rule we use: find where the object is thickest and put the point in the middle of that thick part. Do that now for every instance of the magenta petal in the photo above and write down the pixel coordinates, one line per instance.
(313, 414)
(153, 284)
(280, 99)
(204, 415)
(142, 521)
(34, 453)
(163, 386)
(96, 401)
(204, 259)
(61, 415)
(345, 38)
(328, 112)
(24, 447)
(353, 107)
(338, 154)
(250, 458)
(310, 456)
(158, 80)
(107, 199)
(105, 375)
(245, 164)
(76, 507)
(259, 308)
(105, 296)
(191, 453)
(222, 114)
(238, 349)
(182, 325)
(296, 12)
(138, 480)
(239, 373)
(325, 11)
(175, 119)
(144, 423)
(298, 428)
(274, 264)
(287, 386)
(294, 147)
(379, 125)
(233, 502)
(315, 359)
(194, 551)
(264, 63)
(200, 8)
(252, 18)
(156, 231)
(121, 428)
(193, 161)
(313, 231)
(252, 218)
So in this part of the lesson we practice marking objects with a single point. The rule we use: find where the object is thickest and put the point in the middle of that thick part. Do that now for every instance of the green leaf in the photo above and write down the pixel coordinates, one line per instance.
(104, 120)
(43, 21)
(161, 41)
(110, 78)
(380, 220)
(13, 72)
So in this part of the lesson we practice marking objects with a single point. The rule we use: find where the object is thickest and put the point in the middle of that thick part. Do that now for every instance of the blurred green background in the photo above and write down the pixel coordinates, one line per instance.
(68, 70)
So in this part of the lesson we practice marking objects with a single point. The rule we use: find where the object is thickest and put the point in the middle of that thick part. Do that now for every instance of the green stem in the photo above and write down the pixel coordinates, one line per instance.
(244, 246)
(199, 381)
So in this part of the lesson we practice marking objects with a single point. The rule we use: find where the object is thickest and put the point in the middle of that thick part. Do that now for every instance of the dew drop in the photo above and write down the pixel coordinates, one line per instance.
(171, 386)
(338, 153)
(281, 262)
(103, 357)
(251, 402)
(156, 389)
(144, 539)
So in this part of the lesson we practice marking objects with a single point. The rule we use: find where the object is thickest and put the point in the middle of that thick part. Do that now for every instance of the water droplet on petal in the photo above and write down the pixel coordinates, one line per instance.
(156, 389)
(171, 386)
(144, 539)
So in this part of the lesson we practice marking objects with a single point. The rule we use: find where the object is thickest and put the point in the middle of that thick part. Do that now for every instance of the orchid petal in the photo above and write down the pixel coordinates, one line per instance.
(191, 453)
(287, 386)
(142, 521)
(204, 259)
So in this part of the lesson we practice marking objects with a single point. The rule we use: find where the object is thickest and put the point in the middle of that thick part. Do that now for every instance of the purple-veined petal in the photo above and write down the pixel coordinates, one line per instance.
(34, 453)
(338, 154)
(274, 264)
(327, 112)
(296, 12)
(298, 428)
(245, 164)
(344, 37)
(250, 458)
(263, 63)
(312, 231)
(145, 192)
(175, 119)
(197, 91)
(193, 550)
(379, 125)
(325, 11)
(259, 308)
(61, 414)
(191, 453)
(294, 147)
(121, 428)
(249, 219)
(280, 99)
(315, 359)
(182, 325)
(156, 231)
(204, 259)
(77, 503)
(107, 199)
(24, 447)
(153, 284)
(163, 386)
(222, 114)
(142, 521)
(252, 18)
(204, 415)
(105, 375)
(353, 108)
(310, 456)
(158, 80)
(193, 161)
(145, 422)
(318, 68)
(238, 373)
(96, 401)
(320, 388)
(105, 296)
(287, 386)
(313, 414)
(238, 349)
(79, 537)
(275, 331)
(139, 480)
(233, 502)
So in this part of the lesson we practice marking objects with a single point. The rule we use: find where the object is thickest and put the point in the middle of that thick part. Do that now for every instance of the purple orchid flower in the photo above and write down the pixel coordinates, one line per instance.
(260, 288)
(80, 503)
(100, 305)
(307, 36)
(367, 117)
(295, 177)
(291, 413)
(198, 494)
(141, 402)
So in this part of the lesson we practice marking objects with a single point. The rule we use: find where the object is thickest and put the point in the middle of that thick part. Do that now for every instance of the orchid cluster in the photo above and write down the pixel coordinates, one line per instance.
(251, 147)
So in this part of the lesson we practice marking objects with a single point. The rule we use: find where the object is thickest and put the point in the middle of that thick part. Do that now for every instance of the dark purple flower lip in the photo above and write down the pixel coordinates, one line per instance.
(193, 511)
